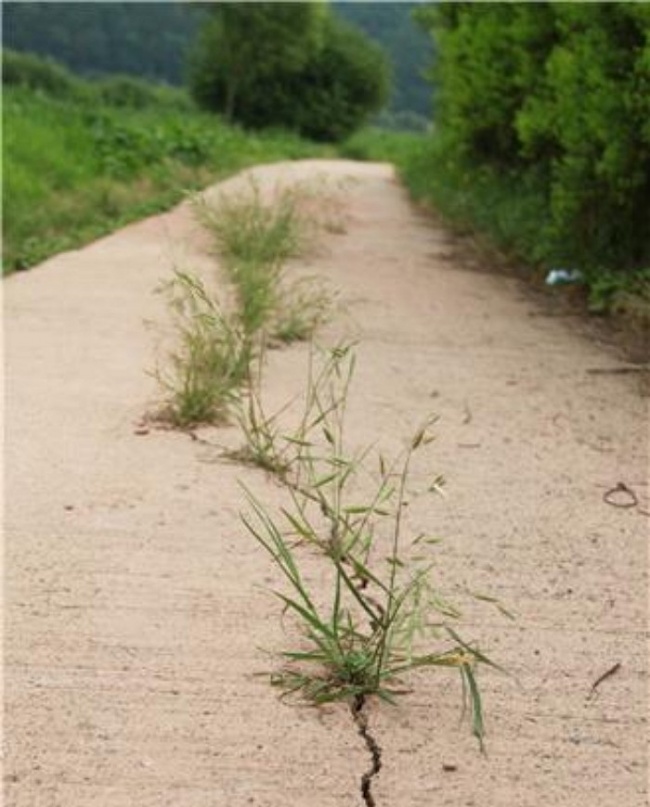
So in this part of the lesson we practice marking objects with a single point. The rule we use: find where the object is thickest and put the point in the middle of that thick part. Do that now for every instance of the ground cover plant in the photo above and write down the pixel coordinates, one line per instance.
(78, 161)
(385, 611)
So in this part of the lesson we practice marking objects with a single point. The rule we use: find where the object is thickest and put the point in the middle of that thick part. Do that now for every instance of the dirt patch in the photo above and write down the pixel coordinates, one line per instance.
(135, 602)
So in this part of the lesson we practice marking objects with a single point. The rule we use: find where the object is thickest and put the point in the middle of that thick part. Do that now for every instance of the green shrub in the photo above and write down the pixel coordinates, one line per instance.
(542, 137)
(587, 122)
(37, 73)
(381, 145)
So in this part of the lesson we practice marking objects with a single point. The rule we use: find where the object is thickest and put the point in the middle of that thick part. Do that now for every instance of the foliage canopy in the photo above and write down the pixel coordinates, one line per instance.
(556, 94)
(288, 65)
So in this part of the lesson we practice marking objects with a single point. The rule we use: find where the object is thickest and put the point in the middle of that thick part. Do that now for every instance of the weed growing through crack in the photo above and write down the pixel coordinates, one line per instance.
(216, 349)
(268, 444)
(249, 229)
(210, 363)
(383, 606)
(264, 445)
(255, 236)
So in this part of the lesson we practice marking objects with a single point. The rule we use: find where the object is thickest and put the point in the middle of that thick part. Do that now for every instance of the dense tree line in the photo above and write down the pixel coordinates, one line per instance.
(559, 95)
(152, 40)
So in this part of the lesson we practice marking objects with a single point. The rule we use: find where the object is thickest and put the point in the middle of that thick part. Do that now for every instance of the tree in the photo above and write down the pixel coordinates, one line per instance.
(292, 65)
(341, 85)
(245, 44)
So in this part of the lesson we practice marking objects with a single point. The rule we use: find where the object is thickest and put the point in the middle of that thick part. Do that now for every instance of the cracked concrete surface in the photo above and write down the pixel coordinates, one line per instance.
(360, 717)
(134, 601)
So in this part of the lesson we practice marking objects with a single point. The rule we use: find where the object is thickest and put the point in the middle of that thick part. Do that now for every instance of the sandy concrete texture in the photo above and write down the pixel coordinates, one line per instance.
(136, 605)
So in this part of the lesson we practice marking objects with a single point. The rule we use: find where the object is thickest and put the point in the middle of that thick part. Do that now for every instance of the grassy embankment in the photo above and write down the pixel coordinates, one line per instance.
(82, 158)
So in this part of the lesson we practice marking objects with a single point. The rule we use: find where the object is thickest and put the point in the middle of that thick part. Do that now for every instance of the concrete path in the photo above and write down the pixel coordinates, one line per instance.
(135, 603)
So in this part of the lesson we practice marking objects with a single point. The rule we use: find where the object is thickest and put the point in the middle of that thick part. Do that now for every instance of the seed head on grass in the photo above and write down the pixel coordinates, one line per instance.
(384, 611)
(269, 442)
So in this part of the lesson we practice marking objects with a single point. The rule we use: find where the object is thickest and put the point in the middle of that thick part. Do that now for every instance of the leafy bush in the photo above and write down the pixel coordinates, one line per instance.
(587, 123)
(542, 131)
(124, 147)
(381, 145)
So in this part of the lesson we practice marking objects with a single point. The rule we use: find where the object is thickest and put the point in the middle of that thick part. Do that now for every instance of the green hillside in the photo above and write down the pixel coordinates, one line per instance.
(152, 40)
(82, 158)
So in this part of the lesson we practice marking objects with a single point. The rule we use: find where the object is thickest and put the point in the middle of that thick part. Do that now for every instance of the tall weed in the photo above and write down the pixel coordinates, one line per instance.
(385, 615)
(210, 363)
(255, 235)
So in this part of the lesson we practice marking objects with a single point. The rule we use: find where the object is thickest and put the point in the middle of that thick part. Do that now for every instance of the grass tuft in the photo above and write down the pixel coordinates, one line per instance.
(303, 306)
(255, 236)
(211, 361)
(249, 229)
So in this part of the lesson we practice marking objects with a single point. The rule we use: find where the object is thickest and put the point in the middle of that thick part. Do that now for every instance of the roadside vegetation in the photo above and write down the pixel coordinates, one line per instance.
(540, 142)
(82, 158)
(541, 139)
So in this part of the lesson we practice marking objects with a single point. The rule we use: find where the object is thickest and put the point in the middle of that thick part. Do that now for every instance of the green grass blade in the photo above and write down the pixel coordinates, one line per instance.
(478, 728)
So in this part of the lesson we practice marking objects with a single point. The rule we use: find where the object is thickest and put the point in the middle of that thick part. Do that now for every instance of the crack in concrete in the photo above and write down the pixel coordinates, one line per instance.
(361, 720)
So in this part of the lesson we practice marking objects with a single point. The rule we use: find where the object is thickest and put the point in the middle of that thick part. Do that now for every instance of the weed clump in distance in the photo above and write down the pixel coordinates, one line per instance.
(384, 611)
(249, 229)
(255, 237)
